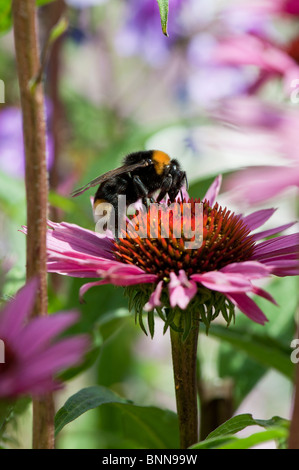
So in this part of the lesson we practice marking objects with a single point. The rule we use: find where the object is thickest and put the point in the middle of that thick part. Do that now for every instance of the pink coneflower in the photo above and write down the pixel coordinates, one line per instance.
(212, 279)
(32, 354)
(250, 50)
(278, 127)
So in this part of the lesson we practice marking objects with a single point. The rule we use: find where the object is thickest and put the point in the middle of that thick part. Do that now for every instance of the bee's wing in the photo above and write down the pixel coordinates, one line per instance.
(110, 174)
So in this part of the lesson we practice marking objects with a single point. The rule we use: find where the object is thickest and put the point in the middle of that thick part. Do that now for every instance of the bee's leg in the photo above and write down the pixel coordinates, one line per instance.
(177, 186)
(141, 190)
(165, 187)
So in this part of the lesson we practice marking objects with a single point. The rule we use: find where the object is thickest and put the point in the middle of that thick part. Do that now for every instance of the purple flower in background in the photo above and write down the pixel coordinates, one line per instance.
(142, 34)
(12, 156)
(32, 353)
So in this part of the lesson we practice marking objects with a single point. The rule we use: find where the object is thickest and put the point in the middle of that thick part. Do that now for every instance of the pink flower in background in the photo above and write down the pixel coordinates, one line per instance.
(249, 50)
(33, 354)
(258, 184)
(228, 262)
(278, 126)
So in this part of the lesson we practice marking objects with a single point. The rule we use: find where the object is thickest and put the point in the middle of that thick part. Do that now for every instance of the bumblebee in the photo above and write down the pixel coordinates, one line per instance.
(141, 175)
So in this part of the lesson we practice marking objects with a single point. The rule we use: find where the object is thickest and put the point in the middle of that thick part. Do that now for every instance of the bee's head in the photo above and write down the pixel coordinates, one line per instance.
(174, 168)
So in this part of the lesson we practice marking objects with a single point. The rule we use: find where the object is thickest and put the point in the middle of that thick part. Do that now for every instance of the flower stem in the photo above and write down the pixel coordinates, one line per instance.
(184, 359)
(34, 130)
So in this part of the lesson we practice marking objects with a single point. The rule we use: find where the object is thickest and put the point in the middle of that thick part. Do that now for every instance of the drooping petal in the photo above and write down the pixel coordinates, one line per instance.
(181, 290)
(250, 269)
(123, 276)
(248, 306)
(262, 293)
(155, 298)
(213, 190)
(223, 282)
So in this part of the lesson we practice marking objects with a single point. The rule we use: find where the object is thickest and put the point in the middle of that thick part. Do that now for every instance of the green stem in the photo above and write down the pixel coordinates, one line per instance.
(34, 129)
(184, 355)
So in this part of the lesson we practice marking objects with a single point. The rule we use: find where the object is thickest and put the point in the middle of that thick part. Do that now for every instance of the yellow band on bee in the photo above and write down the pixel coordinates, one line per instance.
(160, 159)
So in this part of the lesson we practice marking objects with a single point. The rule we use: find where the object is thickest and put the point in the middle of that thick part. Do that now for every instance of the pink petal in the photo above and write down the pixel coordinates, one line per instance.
(223, 282)
(154, 300)
(73, 238)
(120, 278)
(124, 275)
(66, 353)
(282, 267)
(279, 245)
(262, 183)
(248, 306)
(264, 294)
(40, 331)
(180, 291)
(250, 269)
(88, 286)
(213, 191)
(15, 312)
(258, 218)
(273, 231)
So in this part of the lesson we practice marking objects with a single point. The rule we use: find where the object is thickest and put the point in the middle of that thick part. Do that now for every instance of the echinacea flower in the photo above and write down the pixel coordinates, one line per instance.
(214, 278)
(32, 353)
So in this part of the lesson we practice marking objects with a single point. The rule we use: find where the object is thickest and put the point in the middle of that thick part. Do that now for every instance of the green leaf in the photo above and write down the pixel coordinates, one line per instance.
(164, 8)
(239, 422)
(247, 369)
(86, 399)
(62, 202)
(263, 348)
(233, 442)
(256, 439)
(58, 29)
(5, 16)
(223, 436)
(148, 426)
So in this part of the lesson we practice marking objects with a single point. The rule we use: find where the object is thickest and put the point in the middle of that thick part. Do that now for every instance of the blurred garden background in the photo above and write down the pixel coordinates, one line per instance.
(219, 93)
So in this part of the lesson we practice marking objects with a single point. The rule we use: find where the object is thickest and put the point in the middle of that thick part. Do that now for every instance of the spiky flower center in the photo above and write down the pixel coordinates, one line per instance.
(225, 240)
